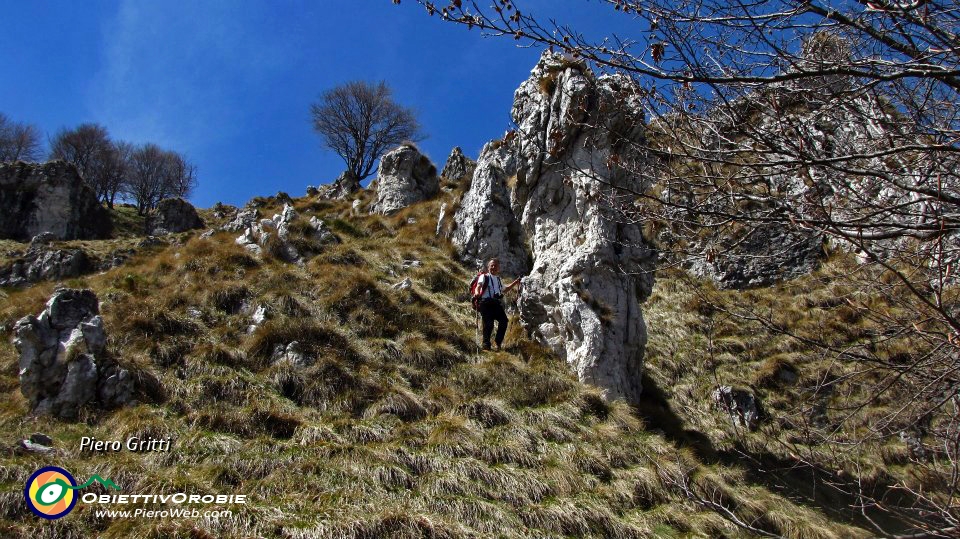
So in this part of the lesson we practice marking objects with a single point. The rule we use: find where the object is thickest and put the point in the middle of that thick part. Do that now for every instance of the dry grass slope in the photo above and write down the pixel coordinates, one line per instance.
(394, 428)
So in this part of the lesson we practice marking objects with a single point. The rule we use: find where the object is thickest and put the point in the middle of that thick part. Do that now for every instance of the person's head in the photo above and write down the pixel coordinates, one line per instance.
(493, 266)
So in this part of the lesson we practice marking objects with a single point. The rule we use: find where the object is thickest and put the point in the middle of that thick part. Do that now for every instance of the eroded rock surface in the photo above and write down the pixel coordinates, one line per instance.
(787, 201)
(49, 197)
(589, 269)
(741, 405)
(63, 360)
(764, 256)
(274, 234)
(405, 176)
(173, 215)
(242, 220)
(485, 223)
(344, 186)
(458, 166)
(41, 263)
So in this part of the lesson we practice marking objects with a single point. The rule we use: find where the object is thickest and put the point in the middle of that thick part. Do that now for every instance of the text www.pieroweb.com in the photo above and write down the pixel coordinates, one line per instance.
(180, 512)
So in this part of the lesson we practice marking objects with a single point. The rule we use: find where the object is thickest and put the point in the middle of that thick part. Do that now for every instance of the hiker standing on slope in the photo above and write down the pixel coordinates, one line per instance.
(491, 291)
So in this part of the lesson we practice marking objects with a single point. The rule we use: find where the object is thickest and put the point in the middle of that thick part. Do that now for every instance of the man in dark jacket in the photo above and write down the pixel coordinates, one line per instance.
(491, 302)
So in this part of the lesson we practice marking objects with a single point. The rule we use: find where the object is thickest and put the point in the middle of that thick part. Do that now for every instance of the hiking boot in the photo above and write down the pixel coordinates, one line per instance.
(486, 347)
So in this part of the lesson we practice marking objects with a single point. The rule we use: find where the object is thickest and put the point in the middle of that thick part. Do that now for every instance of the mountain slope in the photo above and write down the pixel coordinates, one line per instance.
(396, 427)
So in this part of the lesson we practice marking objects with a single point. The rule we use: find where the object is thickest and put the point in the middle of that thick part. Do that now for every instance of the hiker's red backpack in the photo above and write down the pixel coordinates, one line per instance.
(477, 289)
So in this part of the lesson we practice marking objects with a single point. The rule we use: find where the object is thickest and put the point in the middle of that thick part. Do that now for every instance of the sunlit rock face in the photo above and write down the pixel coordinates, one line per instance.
(485, 224)
(405, 176)
(343, 187)
(173, 215)
(63, 361)
(458, 165)
(589, 269)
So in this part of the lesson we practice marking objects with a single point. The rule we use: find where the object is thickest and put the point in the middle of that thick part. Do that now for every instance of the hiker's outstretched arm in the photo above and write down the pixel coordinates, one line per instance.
(512, 285)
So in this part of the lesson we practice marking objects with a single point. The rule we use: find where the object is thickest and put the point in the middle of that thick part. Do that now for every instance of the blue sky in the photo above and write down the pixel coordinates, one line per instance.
(229, 83)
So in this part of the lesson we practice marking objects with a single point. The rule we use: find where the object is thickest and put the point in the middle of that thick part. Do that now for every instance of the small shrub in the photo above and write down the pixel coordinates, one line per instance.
(131, 282)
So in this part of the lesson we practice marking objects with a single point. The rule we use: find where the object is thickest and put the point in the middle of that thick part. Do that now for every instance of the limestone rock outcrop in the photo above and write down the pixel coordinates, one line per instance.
(589, 270)
(63, 361)
(458, 166)
(485, 223)
(293, 354)
(42, 263)
(173, 215)
(49, 197)
(221, 210)
(274, 234)
(405, 176)
(242, 220)
(764, 256)
(741, 405)
(345, 185)
(794, 193)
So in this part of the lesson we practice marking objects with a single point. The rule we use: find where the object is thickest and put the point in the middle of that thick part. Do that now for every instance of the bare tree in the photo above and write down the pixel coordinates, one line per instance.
(820, 117)
(181, 175)
(154, 174)
(145, 177)
(114, 171)
(360, 121)
(18, 141)
(89, 148)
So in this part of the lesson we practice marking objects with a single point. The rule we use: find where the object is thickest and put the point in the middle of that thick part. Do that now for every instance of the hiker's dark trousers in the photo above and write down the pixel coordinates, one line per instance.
(492, 310)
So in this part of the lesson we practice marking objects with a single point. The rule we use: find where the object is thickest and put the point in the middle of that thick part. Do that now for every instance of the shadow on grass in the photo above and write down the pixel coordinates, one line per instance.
(803, 483)
(655, 410)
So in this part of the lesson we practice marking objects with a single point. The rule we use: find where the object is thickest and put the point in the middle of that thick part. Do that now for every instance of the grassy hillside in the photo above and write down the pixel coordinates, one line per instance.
(398, 428)
(825, 360)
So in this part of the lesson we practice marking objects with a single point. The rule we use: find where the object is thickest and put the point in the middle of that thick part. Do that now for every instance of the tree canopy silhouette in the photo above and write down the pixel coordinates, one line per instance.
(360, 121)
(18, 141)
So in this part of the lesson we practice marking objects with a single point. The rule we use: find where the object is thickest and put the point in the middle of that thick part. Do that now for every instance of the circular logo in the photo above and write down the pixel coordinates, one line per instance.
(50, 492)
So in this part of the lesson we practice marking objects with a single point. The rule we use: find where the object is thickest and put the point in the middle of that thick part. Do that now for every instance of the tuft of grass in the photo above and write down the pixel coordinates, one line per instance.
(315, 338)
(228, 299)
(776, 371)
(342, 226)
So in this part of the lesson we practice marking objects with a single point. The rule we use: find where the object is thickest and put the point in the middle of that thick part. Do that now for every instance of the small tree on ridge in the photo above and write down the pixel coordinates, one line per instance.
(360, 121)
(18, 141)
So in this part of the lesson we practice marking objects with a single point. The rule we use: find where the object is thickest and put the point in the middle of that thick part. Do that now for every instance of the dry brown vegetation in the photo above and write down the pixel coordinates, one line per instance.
(396, 427)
